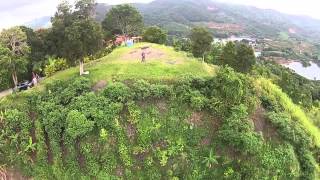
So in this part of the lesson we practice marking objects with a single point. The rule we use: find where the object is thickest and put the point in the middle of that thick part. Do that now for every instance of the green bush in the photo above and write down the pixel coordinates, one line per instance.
(55, 65)
(78, 125)
(117, 92)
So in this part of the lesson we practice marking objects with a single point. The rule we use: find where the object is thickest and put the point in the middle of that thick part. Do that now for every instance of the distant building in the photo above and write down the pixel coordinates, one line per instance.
(126, 40)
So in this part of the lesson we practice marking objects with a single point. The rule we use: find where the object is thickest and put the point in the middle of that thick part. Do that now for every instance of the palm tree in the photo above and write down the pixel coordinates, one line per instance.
(211, 159)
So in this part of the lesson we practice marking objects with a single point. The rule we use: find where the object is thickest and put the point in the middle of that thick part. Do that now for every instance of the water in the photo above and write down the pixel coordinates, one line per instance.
(311, 72)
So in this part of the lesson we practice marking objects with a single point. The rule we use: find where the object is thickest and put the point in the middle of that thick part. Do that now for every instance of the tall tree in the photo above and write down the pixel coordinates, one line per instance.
(154, 34)
(239, 56)
(201, 40)
(63, 18)
(74, 32)
(245, 58)
(229, 55)
(85, 39)
(124, 19)
(14, 40)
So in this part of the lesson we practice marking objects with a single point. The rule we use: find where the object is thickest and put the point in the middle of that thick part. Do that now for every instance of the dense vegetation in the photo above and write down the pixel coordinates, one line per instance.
(172, 117)
(198, 128)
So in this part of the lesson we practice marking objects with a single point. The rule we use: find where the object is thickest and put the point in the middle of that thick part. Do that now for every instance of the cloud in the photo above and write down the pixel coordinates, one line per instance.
(17, 12)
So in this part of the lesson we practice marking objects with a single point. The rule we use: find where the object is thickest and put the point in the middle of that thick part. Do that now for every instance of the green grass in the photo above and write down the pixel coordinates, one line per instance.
(117, 65)
(267, 88)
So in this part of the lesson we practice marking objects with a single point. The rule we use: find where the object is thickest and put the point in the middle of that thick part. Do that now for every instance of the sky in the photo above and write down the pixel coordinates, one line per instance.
(17, 12)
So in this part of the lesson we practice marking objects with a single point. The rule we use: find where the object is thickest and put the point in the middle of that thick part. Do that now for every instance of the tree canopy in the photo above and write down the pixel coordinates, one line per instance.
(239, 56)
(124, 19)
(201, 40)
(15, 51)
(155, 34)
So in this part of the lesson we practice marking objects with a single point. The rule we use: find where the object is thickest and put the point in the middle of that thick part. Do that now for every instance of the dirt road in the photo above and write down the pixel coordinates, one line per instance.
(5, 93)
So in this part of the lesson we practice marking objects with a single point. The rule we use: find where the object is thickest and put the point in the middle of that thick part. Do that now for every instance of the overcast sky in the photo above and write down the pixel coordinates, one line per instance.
(16, 12)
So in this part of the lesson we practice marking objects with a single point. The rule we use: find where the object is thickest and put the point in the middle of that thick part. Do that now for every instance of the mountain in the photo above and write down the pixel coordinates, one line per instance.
(224, 19)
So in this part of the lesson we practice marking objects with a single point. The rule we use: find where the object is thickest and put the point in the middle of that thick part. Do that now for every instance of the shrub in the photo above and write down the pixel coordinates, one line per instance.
(197, 100)
(55, 65)
(117, 92)
(78, 125)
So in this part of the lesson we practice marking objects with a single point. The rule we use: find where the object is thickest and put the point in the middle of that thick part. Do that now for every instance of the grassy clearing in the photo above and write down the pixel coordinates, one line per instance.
(117, 66)
(172, 66)
(267, 88)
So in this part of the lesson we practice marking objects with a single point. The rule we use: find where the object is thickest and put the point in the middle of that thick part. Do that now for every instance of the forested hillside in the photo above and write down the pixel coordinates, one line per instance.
(178, 16)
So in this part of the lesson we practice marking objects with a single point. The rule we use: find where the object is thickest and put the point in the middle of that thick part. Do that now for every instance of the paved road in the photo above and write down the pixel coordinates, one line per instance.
(5, 93)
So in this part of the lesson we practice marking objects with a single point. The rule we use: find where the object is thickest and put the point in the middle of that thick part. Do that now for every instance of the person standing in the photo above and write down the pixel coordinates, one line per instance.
(34, 79)
(143, 57)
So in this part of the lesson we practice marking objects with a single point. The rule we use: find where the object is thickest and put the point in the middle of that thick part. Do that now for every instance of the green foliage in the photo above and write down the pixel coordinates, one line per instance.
(182, 45)
(78, 125)
(277, 98)
(294, 134)
(239, 56)
(117, 92)
(140, 129)
(84, 38)
(237, 131)
(235, 90)
(201, 40)
(124, 19)
(154, 34)
(14, 52)
(55, 65)
(302, 91)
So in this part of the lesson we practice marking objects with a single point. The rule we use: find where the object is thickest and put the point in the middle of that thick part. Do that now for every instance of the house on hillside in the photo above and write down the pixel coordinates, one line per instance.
(127, 40)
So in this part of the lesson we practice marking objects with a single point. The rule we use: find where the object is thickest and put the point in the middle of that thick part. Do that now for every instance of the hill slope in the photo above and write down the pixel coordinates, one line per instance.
(170, 118)
(223, 19)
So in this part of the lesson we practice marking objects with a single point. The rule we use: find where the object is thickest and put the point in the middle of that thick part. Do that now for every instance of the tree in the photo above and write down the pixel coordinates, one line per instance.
(75, 33)
(85, 38)
(63, 18)
(201, 40)
(229, 54)
(154, 34)
(239, 56)
(15, 60)
(124, 19)
(215, 53)
(245, 58)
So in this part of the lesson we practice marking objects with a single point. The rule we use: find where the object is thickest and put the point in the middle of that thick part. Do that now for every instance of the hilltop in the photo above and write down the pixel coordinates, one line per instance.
(163, 63)
(172, 117)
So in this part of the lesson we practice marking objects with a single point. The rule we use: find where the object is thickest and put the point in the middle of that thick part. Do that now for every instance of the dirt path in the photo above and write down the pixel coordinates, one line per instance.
(5, 93)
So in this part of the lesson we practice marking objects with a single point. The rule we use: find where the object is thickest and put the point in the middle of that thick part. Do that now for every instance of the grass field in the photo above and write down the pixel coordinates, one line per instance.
(168, 65)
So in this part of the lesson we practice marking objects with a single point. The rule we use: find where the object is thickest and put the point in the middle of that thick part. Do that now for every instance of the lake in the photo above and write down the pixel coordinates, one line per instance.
(311, 72)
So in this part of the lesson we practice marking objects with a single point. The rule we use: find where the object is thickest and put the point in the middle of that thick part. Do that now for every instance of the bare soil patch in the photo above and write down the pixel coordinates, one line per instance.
(10, 174)
(99, 86)
(150, 53)
(195, 119)
(131, 132)
(262, 125)
(48, 145)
